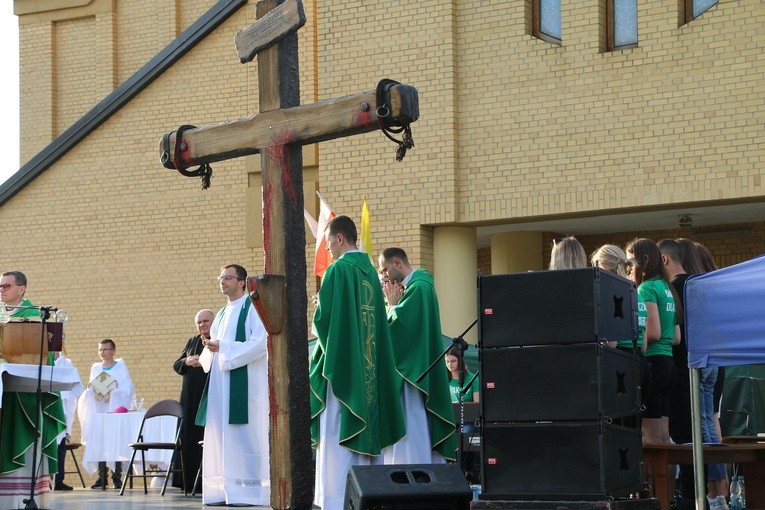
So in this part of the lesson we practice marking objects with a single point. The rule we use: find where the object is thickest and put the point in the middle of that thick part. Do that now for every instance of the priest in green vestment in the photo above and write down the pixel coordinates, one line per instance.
(415, 329)
(355, 402)
(17, 421)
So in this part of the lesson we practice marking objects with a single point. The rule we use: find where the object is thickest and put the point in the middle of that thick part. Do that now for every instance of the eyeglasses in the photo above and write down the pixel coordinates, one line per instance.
(227, 277)
(7, 286)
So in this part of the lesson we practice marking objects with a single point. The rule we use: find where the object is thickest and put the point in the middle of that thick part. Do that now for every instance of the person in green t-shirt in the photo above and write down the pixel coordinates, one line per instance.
(454, 371)
(662, 331)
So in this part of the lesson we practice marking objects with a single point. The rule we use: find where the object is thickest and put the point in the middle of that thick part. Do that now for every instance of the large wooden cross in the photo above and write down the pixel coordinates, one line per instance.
(277, 133)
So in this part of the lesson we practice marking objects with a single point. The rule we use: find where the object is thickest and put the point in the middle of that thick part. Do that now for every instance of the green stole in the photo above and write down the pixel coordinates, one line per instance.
(27, 313)
(238, 382)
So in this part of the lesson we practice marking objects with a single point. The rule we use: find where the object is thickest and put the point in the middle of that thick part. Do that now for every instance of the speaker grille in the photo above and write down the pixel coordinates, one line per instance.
(555, 307)
(558, 461)
(558, 382)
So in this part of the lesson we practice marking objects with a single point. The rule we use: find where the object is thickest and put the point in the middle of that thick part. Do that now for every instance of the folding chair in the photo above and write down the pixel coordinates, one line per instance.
(71, 447)
(167, 407)
(198, 479)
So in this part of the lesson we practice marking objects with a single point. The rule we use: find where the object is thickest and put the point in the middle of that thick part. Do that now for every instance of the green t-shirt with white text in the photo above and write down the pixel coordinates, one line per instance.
(656, 290)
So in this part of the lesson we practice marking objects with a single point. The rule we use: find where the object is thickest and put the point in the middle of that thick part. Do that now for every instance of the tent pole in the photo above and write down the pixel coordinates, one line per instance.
(698, 440)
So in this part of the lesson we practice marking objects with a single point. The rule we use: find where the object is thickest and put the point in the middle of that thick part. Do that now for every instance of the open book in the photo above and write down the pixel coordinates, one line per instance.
(102, 385)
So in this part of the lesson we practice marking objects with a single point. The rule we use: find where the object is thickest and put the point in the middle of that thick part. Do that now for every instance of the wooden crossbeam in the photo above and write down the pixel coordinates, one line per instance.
(306, 124)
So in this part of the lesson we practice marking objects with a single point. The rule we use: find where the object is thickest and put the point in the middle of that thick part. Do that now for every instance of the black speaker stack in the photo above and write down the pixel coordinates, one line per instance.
(553, 394)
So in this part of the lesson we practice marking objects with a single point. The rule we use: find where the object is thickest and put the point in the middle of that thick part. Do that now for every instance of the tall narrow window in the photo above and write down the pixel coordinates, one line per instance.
(622, 24)
(547, 20)
(695, 8)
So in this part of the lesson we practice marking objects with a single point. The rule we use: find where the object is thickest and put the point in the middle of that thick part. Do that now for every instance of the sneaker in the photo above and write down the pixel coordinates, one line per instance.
(98, 485)
(63, 487)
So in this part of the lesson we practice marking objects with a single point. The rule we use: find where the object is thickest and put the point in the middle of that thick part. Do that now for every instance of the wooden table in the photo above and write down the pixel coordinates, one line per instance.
(658, 458)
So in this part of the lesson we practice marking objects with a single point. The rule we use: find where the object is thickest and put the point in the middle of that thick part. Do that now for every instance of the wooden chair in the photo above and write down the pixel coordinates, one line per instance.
(167, 407)
(71, 447)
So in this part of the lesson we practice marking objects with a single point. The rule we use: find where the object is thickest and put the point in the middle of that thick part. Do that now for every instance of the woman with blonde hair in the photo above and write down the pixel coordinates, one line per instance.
(567, 253)
(611, 258)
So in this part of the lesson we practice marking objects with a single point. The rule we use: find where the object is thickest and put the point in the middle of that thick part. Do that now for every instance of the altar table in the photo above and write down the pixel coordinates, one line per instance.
(111, 433)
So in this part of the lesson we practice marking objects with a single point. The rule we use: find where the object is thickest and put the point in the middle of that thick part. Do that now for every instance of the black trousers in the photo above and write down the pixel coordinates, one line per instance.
(59, 479)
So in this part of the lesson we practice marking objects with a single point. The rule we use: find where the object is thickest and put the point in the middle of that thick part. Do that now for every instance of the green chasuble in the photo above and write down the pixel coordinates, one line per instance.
(17, 421)
(415, 330)
(27, 313)
(353, 353)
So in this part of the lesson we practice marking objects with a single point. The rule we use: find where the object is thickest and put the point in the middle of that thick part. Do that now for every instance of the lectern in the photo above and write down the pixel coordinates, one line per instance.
(20, 342)
(23, 348)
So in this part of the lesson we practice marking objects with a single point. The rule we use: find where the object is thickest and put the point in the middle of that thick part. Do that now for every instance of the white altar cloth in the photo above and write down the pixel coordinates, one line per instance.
(111, 433)
(23, 378)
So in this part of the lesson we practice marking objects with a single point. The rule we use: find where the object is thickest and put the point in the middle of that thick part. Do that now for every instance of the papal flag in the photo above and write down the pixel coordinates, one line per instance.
(365, 238)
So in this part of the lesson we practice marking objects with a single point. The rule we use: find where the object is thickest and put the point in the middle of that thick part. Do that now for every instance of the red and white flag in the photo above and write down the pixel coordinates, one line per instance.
(311, 222)
(322, 258)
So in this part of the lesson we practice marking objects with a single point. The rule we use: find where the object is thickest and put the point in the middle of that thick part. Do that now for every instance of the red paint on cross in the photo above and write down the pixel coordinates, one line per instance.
(362, 118)
(282, 490)
(268, 197)
(279, 155)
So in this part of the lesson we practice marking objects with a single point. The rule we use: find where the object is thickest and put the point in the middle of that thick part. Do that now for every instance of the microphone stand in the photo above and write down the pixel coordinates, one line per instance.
(464, 388)
(30, 504)
(461, 345)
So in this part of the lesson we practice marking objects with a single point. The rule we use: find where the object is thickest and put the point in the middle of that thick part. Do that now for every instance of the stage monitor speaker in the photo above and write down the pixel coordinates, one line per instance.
(555, 307)
(560, 461)
(558, 383)
(407, 486)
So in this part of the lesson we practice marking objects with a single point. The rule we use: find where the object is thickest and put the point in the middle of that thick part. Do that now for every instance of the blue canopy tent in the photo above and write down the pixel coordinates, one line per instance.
(723, 327)
(723, 322)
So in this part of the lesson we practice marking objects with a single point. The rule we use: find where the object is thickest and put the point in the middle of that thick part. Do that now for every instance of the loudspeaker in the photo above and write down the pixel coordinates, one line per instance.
(555, 307)
(558, 383)
(560, 461)
(407, 486)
